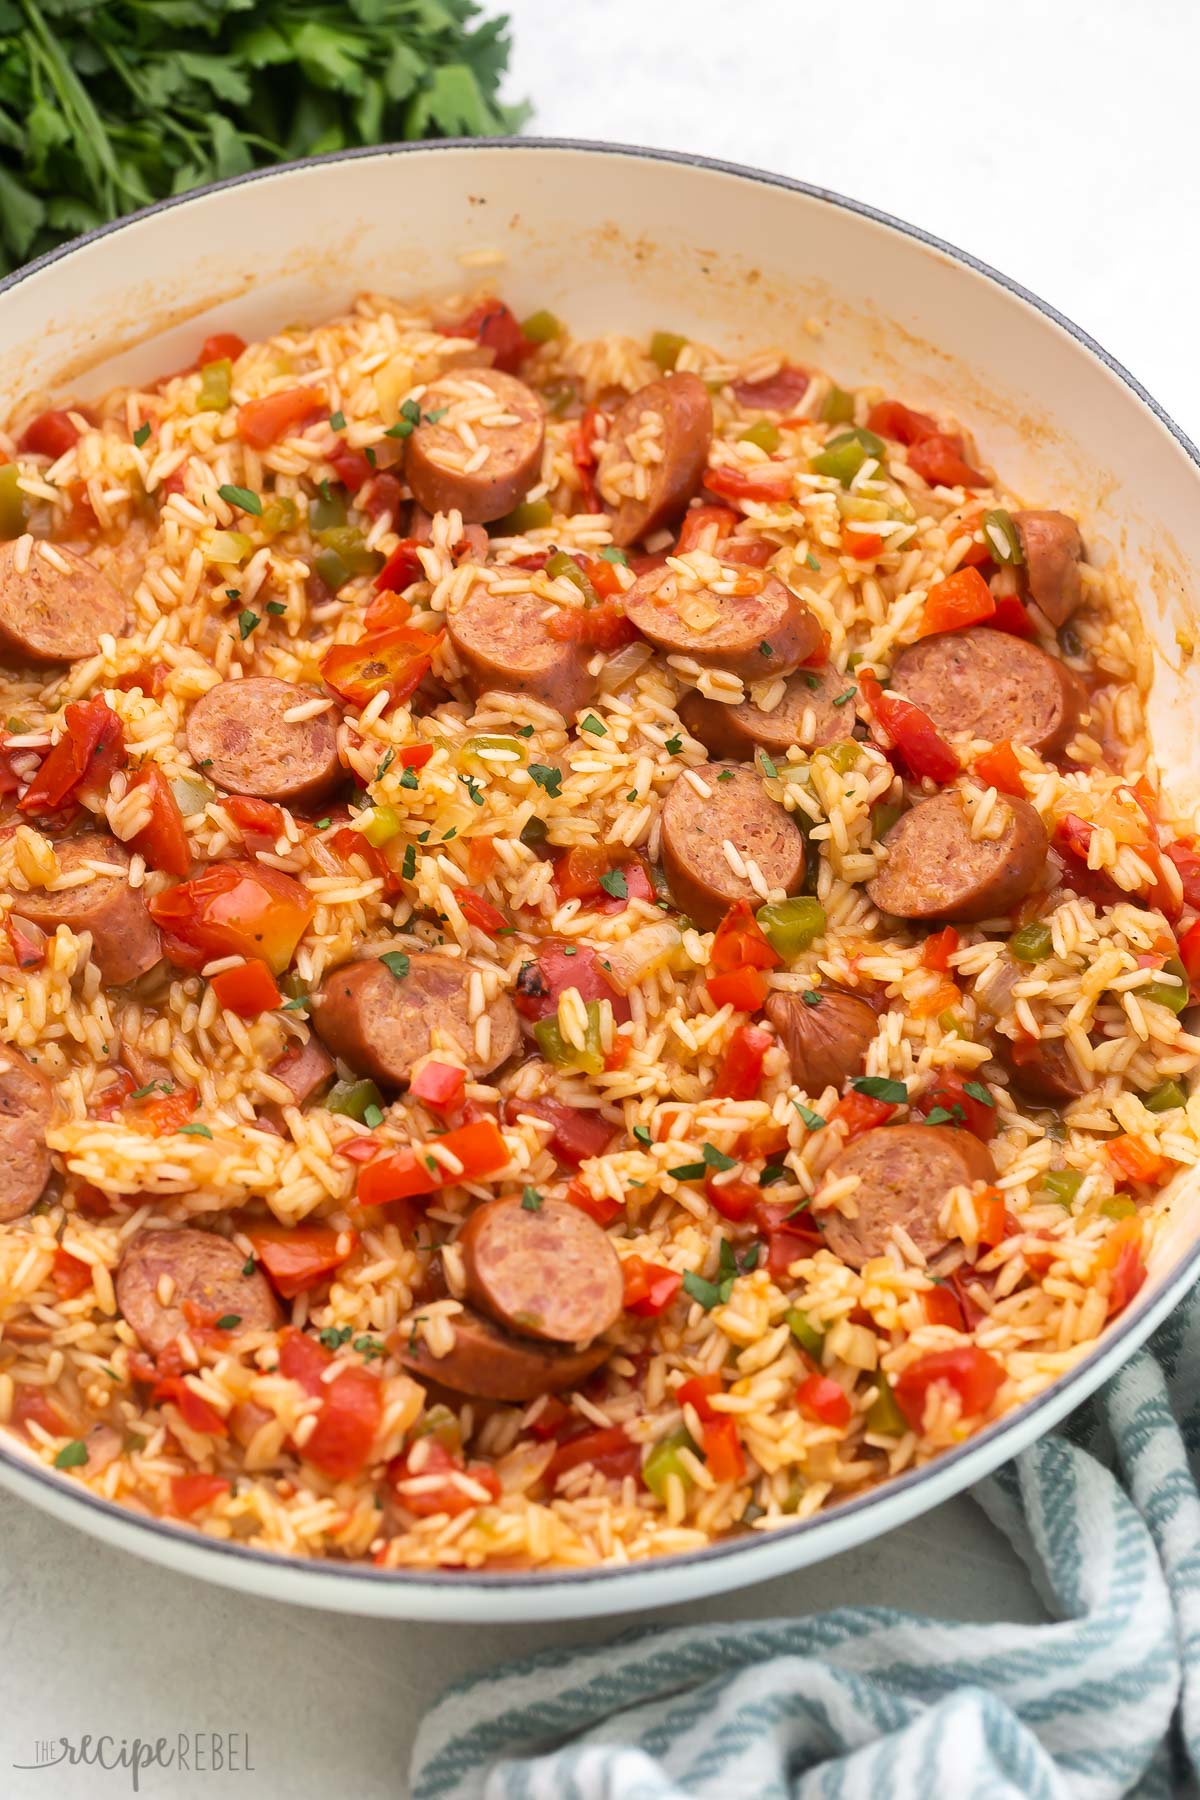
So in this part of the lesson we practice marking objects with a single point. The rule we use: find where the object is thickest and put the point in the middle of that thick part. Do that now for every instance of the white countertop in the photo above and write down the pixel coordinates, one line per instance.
(1057, 144)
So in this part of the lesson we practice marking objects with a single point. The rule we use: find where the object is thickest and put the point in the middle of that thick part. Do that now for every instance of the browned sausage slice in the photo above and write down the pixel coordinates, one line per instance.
(905, 1173)
(26, 1105)
(491, 1364)
(503, 643)
(125, 940)
(696, 827)
(159, 1270)
(54, 603)
(548, 1273)
(826, 1042)
(1053, 551)
(241, 735)
(763, 629)
(483, 409)
(994, 686)
(1042, 1069)
(655, 455)
(304, 1068)
(734, 733)
(936, 870)
(380, 1023)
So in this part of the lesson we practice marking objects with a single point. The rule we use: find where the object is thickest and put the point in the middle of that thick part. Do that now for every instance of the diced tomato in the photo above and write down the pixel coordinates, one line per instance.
(605, 579)
(756, 553)
(962, 599)
(774, 393)
(28, 952)
(415, 756)
(350, 466)
(739, 1076)
(163, 842)
(616, 1057)
(70, 1276)
(1072, 835)
(479, 911)
(734, 1200)
(479, 1147)
(649, 1287)
(603, 1210)
(439, 1085)
(359, 1149)
(191, 1493)
(351, 1407)
(31, 1406)
(707, 525)
(819, 1397)
(482, 855)
(993, 1217)
(610, 1451)
(1135, 1159)
(247, 990)
(256, 819)
(1189, 956)
(167, 1112)
(864, 546)
(562, 966)
(999, 768)
(84, 760)
(600, 627)
(891, 418)
(1186, 858)
(401, 569)
(697, 1391)
(939, 461)
(195, 1411)
(938, 948)
(743, 989)
(579, 1134)
(789, 1243)
(51, 434)
(723, 1449)
(763, 484)
(114, 1095)
(922, 746)
(382, 494)
(262, 423)
(975, 1377)
(942, 1308)
(492, 324)
(223, 346)
(397, 660)
(857, 1113)
(1011, 616)
(740, 942)
(950, 1093)
(151, 680)
(1122, 1253)
(235, 909)
(579, 874)
(444, 1496)
(296, 1257)
(552, 1416)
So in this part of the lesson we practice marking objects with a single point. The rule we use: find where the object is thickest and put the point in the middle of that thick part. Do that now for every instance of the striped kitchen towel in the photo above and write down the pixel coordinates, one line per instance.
(871, 1704)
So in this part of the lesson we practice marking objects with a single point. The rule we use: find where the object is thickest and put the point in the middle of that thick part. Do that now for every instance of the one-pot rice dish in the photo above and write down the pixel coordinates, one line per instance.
(592, 955)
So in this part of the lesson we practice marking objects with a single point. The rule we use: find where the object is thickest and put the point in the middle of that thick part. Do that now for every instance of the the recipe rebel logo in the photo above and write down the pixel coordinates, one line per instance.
(190, 1752)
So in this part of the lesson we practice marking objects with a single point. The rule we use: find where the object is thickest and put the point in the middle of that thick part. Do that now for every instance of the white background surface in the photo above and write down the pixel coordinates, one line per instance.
(1055, 141)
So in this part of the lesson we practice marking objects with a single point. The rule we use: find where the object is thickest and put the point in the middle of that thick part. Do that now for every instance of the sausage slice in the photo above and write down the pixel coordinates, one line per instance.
(825, 1043)
(380, 1023)
(483, 409)
(655, 455)
(703, 880)
(1053, 551)
(549, 1274)
(125, 940)
(905, 1173)
(503, 643)
(54, 603)
(198, 1266)
(936, 870)
(769, 631)
(491, 1364)
(1042, 1069)
(993, 686)
(239, 731)
(26, 1106)
(304, 1068)
(734, 733)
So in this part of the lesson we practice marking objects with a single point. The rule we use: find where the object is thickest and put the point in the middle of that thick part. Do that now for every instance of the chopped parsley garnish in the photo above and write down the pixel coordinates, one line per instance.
(673, 745)
(571, 950)
(849, 694)
(396, 963)
(729, 1267)
(276, 607)
(766, 764)
(242, 498)
(322, 824)
(593, 724)
(548, 779)
(232, 594)
(338, 420)
(468, 781)
(614, 883)
(432, 1164)
(632, 794)
(531, 1200)
(408, 779)
(247, 620)
(525, 731)
(229, 1321)
(764, 649)
(810, 996)
(141, 1093)
(611, 554)
(689, 1171)
(369, 1348)
(881, 1087)
(437, 415)
(370, 456)
(196, 1131)
(249, 1266)
(725, 775)
(406, 424)
(334, 1336)
(808, 678)
(141, 435)
(717, 1159)
(384, 765)
(706, 1292)
(978, 1092)
(774, 1172)
(812, 1119)
(642, 1134)
(297, 1004)
(811, 560)
(72, 1455)
(937, 1115)
(408, 867)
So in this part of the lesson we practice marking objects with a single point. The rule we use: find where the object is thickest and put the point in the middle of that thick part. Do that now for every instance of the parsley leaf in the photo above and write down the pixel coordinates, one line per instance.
(689, 1171)
(229, 1321)
(642, 1134)
(547, 778)
(242, 498)
(614, 883)
(396, 963)
(716, 1159)
(72, 1455)
(673, 745)
(812, 1119)
(338, 420)
(706, 1292)
(141, 435)
(611, 554)
(531, 1200)
(247, 620)
(592, 724)
(881, 1087)
(841, 699)
(196, 1131)
(978, 1092)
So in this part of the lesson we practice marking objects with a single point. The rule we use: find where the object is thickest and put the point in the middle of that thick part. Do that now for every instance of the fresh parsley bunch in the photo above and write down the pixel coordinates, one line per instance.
(106, 107)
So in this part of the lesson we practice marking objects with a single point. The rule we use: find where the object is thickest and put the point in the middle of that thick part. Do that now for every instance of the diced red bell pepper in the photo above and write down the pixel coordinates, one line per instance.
(51, 434)
(163, 842)
(397, 660)
(258, 821)
(439, 1086)
(938, 948)
(999, 768)
(763, 484)
(296, 1257)
(71, 1276)
(1186, 858)
(84, 760)
(1135, 1159)
(723, 1454)
(482, 856)
(350, 466)
(600, 627)
(382, 494)
(610, 1451)
(649, 1287)
(492, 324)
(975, 1377)
(247, 990)
(191, 1493)
(479, 1147)
(962, 599)
(234, 909)
(223, 346)
(864, 546)
(739, 1075)
(774, 393)
(401, 569)
(924, 749)
(603, 1210)
(1189, 956)
(27, 952)
(740, 942)
(479, 911)
(1012, 616)
(31, 1406)
(891, 418)
(192, 1408)
(734, 1200)
(708, 525)
(819, 1397)
(857, 1113)
(790, 1243)
(446, 1496)
(942, 1308)
(993, 1217)
(697, 1392)
(743, 989)
(262, 423)
(168, 1112)
(939, 461)
(351, 1407)
(950, 1093)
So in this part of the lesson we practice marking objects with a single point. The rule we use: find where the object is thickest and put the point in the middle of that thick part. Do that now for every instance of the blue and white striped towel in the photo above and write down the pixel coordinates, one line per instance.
(871, 1704)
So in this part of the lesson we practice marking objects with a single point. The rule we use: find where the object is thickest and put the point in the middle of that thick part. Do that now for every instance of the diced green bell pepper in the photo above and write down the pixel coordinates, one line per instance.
(665, 347)
(14, 507)
(1031, 944)
(555, 1048)
(278, 515)
(1001, 537)
(531, 515)
(1062, 1185)
(1118, 1206)
(791, 926)
(541, 327)
(325, 511)
(884, 1418)
(216, 381)
(561, 564)
(663, 1461)
(381, 825)
(1175, 999)
(352, 1098)
(844, 455)
(348, 543)
(804, 1331)
(837, 408)
(1165, 1097)
(764, 434)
